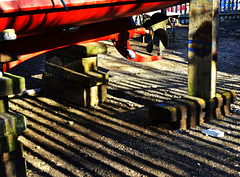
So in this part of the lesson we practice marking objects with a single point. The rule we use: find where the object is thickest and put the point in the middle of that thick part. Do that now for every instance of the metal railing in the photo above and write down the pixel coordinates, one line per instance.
(228, 9)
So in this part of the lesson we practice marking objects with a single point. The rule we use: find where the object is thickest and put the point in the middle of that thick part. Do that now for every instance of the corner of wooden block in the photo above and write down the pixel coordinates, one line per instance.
(11, 84)
(162, 113)
(4, 107)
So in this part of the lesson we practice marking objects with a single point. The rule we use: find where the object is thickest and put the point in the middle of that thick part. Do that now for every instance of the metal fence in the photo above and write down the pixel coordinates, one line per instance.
(228, 9)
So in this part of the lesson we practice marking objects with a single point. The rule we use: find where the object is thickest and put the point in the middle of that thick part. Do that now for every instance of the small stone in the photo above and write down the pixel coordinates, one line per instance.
(154, 86)
(71, 123)
(131, 104)
(178, 131)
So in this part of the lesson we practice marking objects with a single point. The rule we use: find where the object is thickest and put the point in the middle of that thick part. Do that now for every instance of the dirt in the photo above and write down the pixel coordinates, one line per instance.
(118, 138)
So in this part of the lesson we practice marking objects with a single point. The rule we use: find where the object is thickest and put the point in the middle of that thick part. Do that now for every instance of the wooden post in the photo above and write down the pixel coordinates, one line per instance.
(202, 51)
(12, 163)
(71, 74)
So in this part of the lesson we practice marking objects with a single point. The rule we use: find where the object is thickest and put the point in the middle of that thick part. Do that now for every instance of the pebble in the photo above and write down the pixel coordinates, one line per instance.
(154, 86)
(37, 147)
(71, 123)
(178, 131)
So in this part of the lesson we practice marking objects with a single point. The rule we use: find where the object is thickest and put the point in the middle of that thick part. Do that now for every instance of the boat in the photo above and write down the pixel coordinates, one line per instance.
(44, 25)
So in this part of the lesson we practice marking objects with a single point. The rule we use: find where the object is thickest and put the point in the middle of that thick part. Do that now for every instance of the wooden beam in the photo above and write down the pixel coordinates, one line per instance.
(202, 51)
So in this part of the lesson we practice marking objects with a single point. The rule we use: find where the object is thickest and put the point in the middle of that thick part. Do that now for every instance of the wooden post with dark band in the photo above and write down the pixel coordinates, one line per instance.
(202, 48)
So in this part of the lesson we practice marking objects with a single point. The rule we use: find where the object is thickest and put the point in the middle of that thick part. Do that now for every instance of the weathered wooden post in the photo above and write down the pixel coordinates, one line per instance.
(202, 50)
(12, 164)
(202, 55)
(72, 75)
(204, 102)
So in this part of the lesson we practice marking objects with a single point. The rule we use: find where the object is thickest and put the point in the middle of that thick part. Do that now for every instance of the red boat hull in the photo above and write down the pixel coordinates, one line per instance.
(39, 25)
(31, 17)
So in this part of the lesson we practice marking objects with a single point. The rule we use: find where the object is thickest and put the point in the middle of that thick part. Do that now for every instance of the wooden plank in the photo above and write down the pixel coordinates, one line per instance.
(75, 52)
(81, 65)
(200, 107)
(192, 114)
(88, 79)
(202, 52)
(181, 114)
(229, 96)
(89, 49)
(213, 107)
(12, 164)
(12, 123)
(11, 84)
(9, 143)
(4, 107)
(73, 92)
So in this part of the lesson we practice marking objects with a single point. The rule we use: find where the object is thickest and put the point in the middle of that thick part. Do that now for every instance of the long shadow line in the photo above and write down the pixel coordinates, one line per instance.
(132, 95)
(92, 148)
(161, 90)
(228, 85)
(162, 80)
(114, 108)
(113, 103)
(72, 160)
(163, 83)
(168, 59)
(104, 125)
(172, 144)
(166, 159)
(53, 165)
(167, 155)
(225, 140)
(164, 74)
(36, 170)
(154, 70)
(51, 128)
(235, 88)
(133, 85)
(103, 119)
(137, 97)
(215, 153)
(52, 149)
(50, 108)
(231, 122)
(118, 101)
(230, 135)
(217, 124)
(150, 165)
(148, 86)
(46, 107)
(101, 128)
